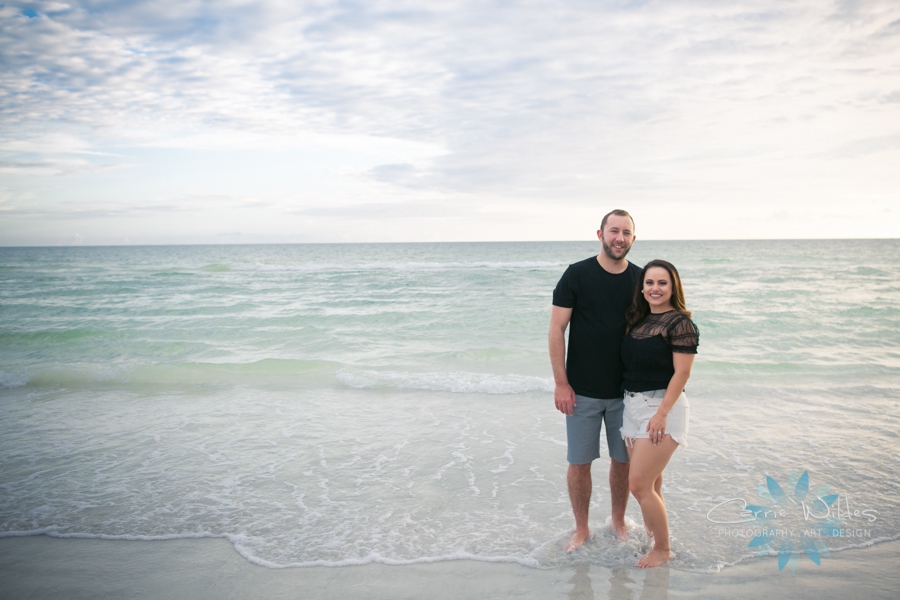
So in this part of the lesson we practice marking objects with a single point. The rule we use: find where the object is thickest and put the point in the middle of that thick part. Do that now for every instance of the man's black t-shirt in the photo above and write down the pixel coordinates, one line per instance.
(598, 300)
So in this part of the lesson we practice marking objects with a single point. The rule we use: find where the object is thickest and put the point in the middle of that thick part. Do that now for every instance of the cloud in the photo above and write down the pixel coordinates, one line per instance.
(186, 205)
(862, 147)
(539, 102)
(385, 210)
(53, 154)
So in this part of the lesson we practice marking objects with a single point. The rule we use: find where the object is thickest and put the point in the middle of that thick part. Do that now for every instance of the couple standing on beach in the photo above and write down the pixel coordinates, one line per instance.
(629, 330)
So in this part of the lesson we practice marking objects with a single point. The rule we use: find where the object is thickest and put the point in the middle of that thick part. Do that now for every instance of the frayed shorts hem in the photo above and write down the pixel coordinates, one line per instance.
(640, 408)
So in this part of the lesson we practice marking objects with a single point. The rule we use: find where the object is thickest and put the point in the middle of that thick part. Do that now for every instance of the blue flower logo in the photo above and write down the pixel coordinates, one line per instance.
(816, 505)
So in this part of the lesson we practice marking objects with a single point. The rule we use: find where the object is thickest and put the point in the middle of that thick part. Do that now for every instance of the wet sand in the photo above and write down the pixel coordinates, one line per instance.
(43, 567)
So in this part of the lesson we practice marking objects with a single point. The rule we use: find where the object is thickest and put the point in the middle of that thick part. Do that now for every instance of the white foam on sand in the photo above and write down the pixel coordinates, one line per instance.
(399, 478)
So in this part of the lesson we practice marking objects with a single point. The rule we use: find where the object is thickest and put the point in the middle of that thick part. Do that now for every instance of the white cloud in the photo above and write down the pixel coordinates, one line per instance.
(542, 106)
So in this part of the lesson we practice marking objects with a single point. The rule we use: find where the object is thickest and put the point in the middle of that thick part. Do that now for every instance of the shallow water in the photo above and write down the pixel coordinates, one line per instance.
(343, 404)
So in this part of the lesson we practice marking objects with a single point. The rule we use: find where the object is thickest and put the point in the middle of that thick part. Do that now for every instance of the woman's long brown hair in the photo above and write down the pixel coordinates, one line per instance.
(639, 308)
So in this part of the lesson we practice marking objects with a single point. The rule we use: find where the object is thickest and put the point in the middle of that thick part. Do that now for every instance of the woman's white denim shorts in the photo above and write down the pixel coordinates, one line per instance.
(641, 406)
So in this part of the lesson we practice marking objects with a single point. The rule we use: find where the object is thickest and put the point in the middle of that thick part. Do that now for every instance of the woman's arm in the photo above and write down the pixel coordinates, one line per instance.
(682, 363)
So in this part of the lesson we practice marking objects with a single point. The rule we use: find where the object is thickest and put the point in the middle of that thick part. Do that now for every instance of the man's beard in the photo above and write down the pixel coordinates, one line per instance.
(609, 251)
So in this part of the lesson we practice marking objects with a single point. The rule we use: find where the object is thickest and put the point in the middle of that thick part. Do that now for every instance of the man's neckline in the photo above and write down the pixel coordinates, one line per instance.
(600, 264)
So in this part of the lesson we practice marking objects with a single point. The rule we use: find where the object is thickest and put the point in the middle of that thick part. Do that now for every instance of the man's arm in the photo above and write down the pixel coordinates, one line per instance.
(563, 394)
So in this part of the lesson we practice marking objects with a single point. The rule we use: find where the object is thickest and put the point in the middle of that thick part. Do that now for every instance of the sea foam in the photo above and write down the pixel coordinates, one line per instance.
(455, 381)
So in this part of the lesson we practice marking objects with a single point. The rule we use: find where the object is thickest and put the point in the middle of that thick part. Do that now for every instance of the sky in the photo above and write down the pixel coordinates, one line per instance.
(285, 121)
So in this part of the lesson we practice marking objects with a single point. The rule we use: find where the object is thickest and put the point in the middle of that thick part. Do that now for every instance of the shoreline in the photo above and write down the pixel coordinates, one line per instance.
(45, 567)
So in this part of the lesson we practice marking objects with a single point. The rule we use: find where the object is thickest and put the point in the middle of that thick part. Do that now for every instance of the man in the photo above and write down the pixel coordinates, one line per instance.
(592, 296)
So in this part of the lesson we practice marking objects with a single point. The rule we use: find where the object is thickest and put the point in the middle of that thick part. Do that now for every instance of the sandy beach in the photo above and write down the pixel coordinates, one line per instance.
(41, 567)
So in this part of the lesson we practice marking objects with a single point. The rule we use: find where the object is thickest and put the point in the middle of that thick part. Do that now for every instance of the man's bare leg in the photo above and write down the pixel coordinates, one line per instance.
(618, 494)
(580, 485)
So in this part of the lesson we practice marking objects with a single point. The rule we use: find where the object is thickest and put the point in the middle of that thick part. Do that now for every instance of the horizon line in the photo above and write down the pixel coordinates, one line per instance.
(146, 245)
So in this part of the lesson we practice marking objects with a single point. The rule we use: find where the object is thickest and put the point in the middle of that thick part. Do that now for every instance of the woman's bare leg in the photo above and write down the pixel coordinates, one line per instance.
(645, 481)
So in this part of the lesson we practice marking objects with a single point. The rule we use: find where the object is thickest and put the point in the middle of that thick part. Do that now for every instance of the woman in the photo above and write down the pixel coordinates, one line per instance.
(658, 352)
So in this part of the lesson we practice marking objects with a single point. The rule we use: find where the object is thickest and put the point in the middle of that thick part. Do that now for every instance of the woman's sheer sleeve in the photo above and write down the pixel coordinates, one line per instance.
(684, 336)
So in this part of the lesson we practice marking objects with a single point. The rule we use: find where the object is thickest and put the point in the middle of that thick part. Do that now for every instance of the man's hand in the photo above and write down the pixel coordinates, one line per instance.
(564, 397)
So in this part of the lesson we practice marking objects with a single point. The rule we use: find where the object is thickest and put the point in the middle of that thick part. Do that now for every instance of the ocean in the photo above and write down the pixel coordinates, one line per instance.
(353, 403)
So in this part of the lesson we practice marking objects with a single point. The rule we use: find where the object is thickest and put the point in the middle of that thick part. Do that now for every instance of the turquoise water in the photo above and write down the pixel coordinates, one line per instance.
(342, 404)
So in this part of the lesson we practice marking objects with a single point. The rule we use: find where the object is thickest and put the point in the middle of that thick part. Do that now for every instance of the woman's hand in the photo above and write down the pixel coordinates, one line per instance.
(657, 427)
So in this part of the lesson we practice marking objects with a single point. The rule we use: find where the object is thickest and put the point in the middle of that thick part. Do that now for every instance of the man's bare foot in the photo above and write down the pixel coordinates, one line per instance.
(654, 558)
(577, 540)
(621, 531)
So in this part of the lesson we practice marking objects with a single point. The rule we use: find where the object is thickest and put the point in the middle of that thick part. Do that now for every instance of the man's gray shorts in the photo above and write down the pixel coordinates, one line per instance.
(583, 429)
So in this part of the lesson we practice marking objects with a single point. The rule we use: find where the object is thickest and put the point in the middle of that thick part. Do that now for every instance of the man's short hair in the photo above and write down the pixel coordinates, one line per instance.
(619, 213)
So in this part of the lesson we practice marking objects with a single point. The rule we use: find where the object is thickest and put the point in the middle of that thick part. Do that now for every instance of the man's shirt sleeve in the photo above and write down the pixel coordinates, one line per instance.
(564, 294)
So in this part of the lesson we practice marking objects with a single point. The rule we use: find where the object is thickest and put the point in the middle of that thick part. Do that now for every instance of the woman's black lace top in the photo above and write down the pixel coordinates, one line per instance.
(647, 349)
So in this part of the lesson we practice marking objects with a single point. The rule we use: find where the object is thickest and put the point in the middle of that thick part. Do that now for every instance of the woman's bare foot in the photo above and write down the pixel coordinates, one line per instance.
(578, 539)
(654, 558)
